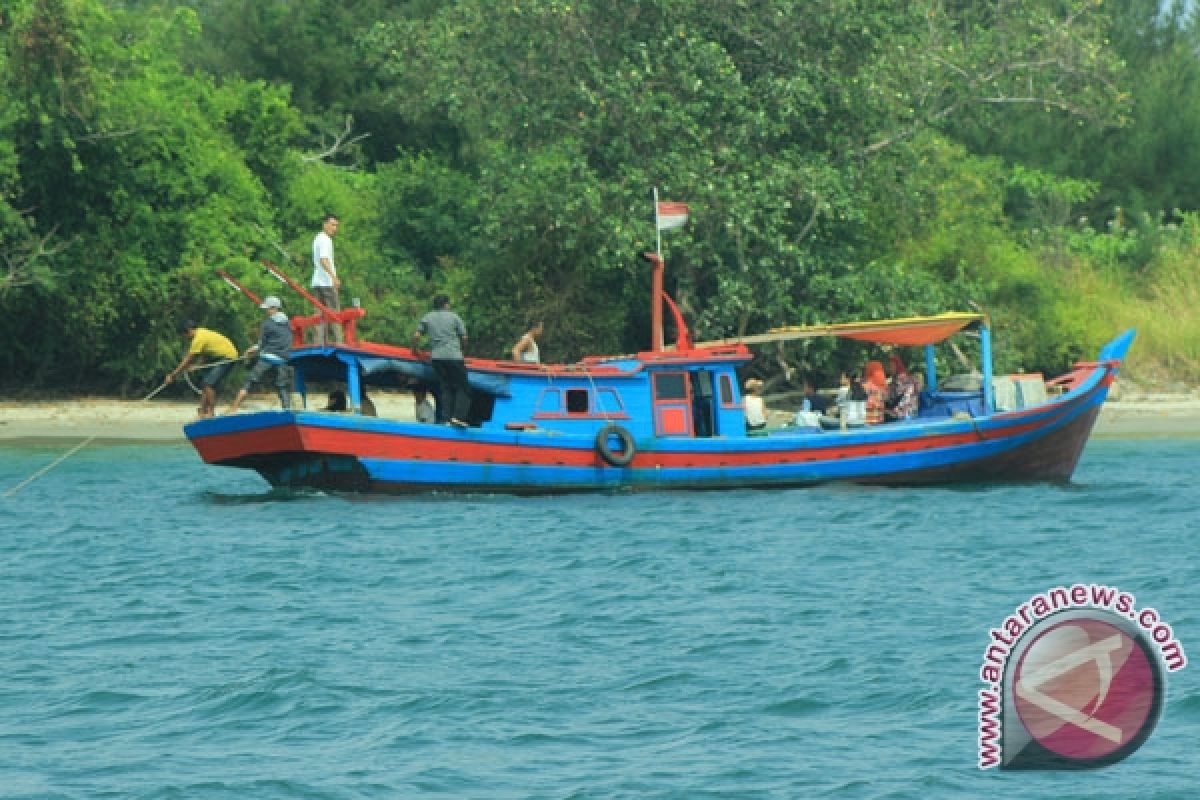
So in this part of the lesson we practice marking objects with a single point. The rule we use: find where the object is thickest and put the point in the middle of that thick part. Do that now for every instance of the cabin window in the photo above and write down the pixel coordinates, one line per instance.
(670, 386)
(726, 391)
(608, 401)
(577, 401)
(550, 402)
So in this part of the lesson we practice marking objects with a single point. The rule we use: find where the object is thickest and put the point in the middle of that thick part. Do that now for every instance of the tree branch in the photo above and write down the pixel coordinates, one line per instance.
(341, 142)
(24, 262)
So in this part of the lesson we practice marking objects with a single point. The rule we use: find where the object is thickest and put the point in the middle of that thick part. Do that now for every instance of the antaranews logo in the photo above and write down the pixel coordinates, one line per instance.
(1074, 679)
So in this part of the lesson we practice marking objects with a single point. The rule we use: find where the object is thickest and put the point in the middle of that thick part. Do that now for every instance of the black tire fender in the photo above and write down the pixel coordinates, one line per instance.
(617, 458)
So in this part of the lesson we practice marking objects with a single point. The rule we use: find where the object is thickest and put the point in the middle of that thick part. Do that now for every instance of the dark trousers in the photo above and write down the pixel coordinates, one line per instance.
(455, 394)
(280, 375)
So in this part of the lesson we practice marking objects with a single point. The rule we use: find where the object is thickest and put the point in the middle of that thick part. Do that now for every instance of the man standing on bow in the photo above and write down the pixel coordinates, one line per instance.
(325, 281)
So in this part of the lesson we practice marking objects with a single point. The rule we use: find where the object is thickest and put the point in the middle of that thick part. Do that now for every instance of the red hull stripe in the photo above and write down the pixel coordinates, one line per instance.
(381, 445)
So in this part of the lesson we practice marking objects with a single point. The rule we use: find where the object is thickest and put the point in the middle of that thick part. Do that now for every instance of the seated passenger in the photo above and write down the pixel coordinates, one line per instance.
(850, 409)
(423, 409)
(811, 407)
(754, 405)
(336, 401)
(875, 383)
(854, 408)
(903, 393)
(813, 401)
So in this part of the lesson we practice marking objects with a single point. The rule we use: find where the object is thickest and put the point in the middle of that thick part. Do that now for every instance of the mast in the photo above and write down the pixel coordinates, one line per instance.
(656, 300)
(657, 227)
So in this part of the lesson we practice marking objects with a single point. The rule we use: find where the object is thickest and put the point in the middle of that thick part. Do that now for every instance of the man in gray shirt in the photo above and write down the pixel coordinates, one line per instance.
(447, 335)
(273, 348)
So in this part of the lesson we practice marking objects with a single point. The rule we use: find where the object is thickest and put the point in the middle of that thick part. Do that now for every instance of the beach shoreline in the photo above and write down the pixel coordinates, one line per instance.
(1129, 415)
(109, 420)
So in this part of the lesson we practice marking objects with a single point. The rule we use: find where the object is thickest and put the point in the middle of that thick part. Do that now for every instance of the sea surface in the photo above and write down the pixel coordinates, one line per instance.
(173, 630)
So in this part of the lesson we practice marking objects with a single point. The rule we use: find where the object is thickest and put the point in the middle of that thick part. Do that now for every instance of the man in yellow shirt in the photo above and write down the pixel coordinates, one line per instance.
(211, 346)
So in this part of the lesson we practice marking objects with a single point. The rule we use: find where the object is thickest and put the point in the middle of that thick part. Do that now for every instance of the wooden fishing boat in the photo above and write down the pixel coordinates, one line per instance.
(670, 417)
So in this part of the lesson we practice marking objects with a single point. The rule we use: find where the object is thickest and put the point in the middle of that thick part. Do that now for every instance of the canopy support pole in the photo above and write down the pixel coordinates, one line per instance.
(985, 347)
(353, 386)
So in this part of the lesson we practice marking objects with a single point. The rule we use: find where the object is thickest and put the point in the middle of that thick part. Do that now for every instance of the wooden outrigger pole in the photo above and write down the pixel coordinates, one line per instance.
(225, 276)
(347, 318)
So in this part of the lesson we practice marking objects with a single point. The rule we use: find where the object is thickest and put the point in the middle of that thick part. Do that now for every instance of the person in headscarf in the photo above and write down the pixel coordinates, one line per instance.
(902, 397)
(875, 383)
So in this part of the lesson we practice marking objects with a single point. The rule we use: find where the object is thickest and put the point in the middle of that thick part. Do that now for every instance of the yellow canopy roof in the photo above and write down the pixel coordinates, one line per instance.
(910, 331)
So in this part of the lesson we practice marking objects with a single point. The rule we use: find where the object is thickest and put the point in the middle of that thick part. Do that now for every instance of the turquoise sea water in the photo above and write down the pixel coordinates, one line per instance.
(172, 630)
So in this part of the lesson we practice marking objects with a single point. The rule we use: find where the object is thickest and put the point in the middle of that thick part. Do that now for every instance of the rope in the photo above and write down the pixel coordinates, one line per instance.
(217, 363)
(69, 453)
(50, 466)
(187, 377)
(93, 437)
(187, 373)
(596, 394)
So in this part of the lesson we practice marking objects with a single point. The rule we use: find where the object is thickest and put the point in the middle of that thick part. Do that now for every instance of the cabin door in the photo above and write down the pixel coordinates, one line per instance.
(672, 404)
(703, 408)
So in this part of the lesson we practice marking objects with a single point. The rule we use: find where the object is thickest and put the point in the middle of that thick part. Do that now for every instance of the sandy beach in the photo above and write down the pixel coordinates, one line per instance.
(1130, 412)
(155, 420)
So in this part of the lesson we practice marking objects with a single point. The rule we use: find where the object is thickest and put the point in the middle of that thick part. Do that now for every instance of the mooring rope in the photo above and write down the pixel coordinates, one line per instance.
(95, 436)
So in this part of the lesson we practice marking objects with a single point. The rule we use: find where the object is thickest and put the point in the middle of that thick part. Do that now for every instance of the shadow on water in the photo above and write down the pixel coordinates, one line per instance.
(834, 488)
(279, 495)
(301, 494)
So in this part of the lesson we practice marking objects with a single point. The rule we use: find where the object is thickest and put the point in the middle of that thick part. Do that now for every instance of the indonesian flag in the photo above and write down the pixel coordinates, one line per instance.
(671, 215)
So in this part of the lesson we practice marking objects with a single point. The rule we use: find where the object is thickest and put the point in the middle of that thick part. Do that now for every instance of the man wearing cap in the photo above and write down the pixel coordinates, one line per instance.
(208, 346)
(274, 346)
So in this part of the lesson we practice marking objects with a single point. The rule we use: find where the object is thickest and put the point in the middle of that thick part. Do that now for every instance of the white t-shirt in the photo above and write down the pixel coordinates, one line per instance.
(322, 248)
(530, 354)
(756, 410)
(854, 412)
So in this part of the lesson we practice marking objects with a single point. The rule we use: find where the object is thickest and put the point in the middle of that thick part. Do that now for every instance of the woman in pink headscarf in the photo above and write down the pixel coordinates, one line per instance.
(875, 382)
(902, 396)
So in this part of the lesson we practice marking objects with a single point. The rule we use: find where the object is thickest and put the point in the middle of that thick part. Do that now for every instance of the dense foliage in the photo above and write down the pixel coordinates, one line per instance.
(843, 159)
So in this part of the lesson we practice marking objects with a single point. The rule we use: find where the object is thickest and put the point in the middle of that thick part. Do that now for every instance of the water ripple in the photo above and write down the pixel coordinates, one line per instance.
(215, 639)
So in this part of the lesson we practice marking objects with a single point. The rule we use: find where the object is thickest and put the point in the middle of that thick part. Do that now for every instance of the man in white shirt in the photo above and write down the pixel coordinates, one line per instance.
(325, 281)
(754, 405)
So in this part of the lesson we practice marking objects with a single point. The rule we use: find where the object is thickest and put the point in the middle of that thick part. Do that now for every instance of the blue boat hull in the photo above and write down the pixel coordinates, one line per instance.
(306, 449)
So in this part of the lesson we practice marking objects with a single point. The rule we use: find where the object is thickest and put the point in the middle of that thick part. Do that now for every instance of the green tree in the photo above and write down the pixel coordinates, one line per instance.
(779, 122)
(134, 162)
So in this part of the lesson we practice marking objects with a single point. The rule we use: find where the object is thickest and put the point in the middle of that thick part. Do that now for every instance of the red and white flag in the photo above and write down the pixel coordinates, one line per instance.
(671, 215)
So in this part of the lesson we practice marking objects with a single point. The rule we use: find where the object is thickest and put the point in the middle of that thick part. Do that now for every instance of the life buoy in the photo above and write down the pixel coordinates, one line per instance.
(617, 458)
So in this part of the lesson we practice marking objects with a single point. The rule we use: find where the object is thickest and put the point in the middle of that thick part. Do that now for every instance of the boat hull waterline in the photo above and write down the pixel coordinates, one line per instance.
(355, 453)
